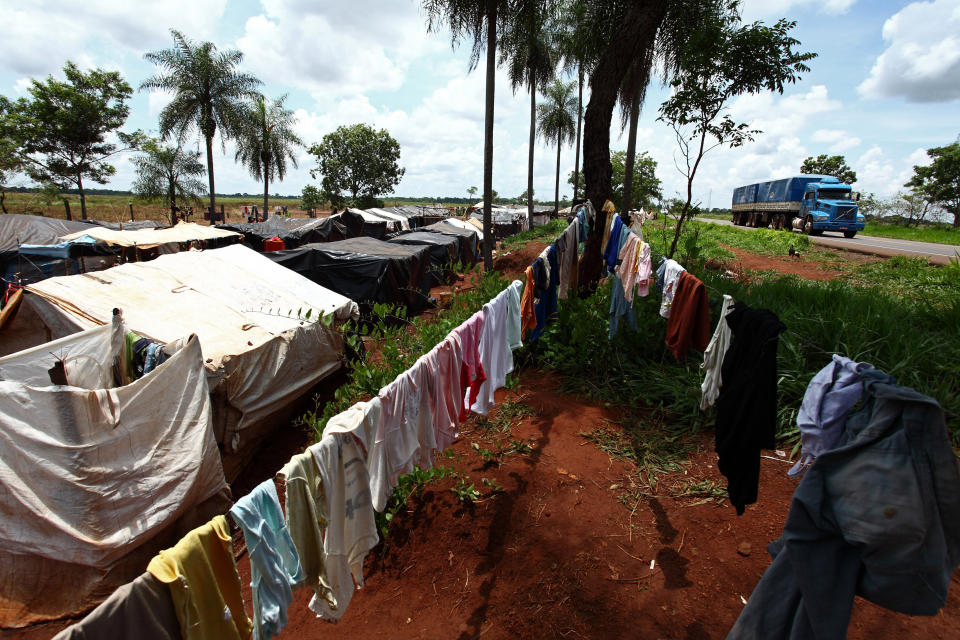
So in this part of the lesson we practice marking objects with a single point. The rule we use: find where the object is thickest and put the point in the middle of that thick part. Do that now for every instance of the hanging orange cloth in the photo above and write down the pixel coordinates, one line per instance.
(528, 319)
(689, 323)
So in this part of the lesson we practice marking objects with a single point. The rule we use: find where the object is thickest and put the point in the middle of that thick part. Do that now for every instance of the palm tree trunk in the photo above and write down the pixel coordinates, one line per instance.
(576, 162)
(173, 202)
(631, 155)
(266, 190)
(636, 34)
(213, 197)
(488, 240)
(83, 198)
(556, 190)
(533, 130)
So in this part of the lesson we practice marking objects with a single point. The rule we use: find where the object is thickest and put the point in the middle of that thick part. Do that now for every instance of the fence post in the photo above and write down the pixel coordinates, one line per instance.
(131, 212)
(66, 205)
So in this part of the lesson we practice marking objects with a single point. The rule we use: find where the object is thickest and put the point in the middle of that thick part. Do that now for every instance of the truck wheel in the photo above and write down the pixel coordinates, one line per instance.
(849, 233)
(808, 227)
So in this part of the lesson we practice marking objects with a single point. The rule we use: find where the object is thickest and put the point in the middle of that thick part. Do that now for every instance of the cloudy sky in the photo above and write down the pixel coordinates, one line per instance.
(885, 87)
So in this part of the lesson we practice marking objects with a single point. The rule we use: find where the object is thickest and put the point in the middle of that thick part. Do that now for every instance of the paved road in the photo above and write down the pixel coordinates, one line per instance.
(935, 253)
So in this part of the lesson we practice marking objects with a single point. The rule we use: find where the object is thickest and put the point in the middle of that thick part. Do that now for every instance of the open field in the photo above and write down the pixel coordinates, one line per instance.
(939, 233)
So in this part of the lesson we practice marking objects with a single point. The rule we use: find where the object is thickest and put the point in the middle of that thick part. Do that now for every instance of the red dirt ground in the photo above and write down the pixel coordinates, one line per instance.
(803, 266)
(557, 554)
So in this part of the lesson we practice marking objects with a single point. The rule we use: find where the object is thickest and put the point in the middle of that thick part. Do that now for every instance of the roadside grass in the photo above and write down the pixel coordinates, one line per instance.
(877, 319)
(547, 232)
(939, 233)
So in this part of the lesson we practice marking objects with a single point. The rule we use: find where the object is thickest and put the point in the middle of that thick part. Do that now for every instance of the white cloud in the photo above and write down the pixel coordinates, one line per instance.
(336, 49)
(922, 59)
(39, 36)
(157, 100)
(839, 140)
(753, 9)
(22, 86)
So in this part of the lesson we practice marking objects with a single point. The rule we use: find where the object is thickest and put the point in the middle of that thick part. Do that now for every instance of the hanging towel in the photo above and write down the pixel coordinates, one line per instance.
(469, 333)
(713, 357)
(689, 323)
(626, 268)
(351, 529)
(495, 352)
(305, 518)
(141, 609)
(446, 389)
(514, 314)
(643, 270)
(274, 562)
(201, 573)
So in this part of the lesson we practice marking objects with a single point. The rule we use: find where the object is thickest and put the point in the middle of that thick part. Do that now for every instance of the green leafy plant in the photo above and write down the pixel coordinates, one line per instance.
(466, 493)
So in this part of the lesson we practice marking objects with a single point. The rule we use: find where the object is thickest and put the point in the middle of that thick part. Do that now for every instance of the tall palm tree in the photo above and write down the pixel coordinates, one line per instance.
(555, 122)
(168, 173)
(266, 140)
(528, 51)
(208, 92)
(479, 22)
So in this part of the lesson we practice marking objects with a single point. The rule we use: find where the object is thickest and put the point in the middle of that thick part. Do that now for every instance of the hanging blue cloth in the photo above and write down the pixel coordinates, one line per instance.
(546, 279)
(613, 244)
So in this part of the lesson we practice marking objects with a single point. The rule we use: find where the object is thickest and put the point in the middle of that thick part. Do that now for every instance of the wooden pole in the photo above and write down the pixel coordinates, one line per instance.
(131, 212)
(66, 205)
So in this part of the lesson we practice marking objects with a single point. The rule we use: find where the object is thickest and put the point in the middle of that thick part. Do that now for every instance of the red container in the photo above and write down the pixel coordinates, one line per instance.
(274, 244)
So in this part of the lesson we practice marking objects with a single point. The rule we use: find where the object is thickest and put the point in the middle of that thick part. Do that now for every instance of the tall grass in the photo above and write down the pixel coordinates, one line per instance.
(915, 340)
(939, 233)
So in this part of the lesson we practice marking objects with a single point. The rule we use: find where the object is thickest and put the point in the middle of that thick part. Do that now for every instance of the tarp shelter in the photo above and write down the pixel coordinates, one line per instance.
(364, 269)
(389, 215)
(413, 215)
(392, 224)
(129, 225)
(17, 230)
(260, 357)
(169, 240)
(466, 237)
(358, 225)
(505, 222)
(293, 231)
(96, 478)
(463, 224)
(444, 251)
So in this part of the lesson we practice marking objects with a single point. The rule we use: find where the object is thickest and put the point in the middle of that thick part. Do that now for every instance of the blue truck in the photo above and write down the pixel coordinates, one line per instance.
(808, 203)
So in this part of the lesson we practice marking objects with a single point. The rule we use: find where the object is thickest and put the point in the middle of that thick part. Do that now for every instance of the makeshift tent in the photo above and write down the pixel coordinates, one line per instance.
(505, 222)
(358, 225)
(169, 240)
(392, 224)
(444, 252)
(457, 222)
(129, 225)
(96, 478)
(383, 213)
(293, 231)
(466, 237)
(364, 269)
(260, 357)
(412, 214)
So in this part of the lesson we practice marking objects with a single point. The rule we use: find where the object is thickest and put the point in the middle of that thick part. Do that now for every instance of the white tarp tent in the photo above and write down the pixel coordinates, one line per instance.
(167, 240)
(392, 224)
(466, 225)
(404, 222)
(243, 307)
(96, 478)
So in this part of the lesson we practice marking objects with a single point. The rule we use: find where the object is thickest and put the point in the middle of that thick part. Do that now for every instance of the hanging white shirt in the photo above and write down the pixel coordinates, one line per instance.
(713, 357)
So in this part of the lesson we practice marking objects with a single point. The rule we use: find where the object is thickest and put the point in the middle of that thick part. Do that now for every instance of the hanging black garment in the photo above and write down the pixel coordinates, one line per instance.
(747, 404)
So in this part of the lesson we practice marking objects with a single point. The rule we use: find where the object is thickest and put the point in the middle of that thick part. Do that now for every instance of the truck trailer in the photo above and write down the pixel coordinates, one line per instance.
(811, 204)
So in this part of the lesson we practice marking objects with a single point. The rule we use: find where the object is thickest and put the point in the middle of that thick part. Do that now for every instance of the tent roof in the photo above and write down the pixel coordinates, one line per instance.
(147, 238)
(26, 229)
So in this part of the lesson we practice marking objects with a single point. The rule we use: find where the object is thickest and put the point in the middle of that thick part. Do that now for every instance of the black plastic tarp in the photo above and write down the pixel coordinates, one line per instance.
(358, 227)
(504, 224)
(466, 238)
(444, 251)
(366, 270)
(293, 231)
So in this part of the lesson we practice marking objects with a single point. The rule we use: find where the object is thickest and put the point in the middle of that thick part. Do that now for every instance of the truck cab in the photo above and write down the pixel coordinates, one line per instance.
(829, 205)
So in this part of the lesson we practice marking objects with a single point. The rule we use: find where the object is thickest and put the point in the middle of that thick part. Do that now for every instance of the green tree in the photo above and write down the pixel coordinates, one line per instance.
(472, 193)
(646, 186)
(60, 132)
(311, 199)
(266, 141)
(208, 93)
(358, 160)
(10, 163)
(477, 21)
(168, 173)
(720, 61)
(939, 182)
(555, 122)
(825, 165)
(528, 53)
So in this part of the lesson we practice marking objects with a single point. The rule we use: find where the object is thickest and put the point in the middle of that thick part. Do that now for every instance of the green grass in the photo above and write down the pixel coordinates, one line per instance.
(939, 233)
(545, 233)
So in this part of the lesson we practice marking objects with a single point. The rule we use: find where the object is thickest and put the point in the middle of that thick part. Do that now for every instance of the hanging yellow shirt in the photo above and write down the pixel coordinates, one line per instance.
(204, 584)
